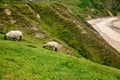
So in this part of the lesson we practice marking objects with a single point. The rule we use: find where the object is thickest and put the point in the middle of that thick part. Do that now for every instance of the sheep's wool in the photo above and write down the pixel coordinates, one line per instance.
(14, 34)
(54, 44)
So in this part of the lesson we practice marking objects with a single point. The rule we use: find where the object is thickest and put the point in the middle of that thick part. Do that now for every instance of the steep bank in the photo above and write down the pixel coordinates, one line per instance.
(58, 22)
(28, 61)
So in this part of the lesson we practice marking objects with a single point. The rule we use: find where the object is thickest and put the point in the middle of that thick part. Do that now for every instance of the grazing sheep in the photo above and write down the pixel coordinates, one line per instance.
(14, 35)
(52, 45)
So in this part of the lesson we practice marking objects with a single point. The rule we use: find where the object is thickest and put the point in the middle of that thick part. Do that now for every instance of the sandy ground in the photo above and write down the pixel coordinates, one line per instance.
(104, 27)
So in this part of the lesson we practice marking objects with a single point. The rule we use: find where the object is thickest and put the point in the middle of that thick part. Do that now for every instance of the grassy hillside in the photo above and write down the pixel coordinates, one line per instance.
(58, 22)
(63, 22)
(27, 61)
(63, 25)
(87, 9)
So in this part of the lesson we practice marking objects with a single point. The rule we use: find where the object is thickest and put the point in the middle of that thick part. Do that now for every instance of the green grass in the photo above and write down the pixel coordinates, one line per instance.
(22, 60)
(62, 28)
(59, 27)
(27, 60)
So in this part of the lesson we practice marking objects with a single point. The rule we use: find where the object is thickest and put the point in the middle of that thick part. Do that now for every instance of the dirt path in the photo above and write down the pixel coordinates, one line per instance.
(104, 27)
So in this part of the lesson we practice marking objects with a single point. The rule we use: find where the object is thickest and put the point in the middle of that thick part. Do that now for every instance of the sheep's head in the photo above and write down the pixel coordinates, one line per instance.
(44, 45)
(5, 37)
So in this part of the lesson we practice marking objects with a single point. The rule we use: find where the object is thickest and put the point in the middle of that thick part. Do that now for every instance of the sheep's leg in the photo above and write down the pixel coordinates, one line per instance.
(50, 48)
(55, 49)
(13, 39)
(20, 38)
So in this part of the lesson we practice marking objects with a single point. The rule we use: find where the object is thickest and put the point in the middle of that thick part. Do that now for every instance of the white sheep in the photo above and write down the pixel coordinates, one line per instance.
(52, 45)
(14, 34)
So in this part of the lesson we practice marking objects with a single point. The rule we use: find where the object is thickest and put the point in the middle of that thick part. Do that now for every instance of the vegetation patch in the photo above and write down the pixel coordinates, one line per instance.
(63, 21)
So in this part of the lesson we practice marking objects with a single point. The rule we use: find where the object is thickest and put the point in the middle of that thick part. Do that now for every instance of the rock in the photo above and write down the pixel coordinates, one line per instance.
(7, 12)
